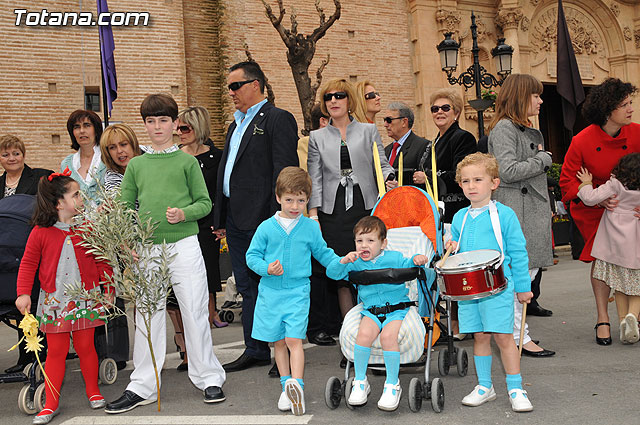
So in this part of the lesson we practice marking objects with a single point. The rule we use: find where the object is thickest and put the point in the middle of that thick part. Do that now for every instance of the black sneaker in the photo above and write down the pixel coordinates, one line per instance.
(128, 401)
(213, 394)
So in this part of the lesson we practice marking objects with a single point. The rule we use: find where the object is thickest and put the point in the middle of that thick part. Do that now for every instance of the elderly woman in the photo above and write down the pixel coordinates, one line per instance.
(518, 147)
(451, 145)
(18, 178)
(85, 130)
(369, 101)
(340, 163)
(598, 148)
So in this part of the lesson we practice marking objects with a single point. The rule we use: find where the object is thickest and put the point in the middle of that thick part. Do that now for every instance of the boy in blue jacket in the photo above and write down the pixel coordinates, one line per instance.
(280, 252)
(385, 306)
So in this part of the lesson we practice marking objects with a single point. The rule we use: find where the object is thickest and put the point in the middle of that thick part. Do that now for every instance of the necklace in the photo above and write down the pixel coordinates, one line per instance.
(14, 183)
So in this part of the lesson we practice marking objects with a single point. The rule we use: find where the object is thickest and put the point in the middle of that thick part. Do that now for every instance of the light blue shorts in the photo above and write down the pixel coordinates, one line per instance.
(281, 313)
(394, 315)
(489, 314)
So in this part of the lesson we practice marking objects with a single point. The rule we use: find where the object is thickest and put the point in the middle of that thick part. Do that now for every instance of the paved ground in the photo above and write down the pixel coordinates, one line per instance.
(583, 384)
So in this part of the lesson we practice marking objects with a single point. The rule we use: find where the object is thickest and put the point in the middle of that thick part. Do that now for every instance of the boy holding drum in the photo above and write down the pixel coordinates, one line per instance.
(487, 224)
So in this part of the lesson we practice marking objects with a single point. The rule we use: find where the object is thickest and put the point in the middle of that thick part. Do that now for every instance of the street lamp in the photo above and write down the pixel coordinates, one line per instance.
(476, 75)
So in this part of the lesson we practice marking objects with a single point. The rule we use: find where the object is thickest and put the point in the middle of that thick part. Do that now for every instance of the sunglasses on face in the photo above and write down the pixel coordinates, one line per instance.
(371, 95)
(184, 129)
(237, 84)
(445, 108)
(338, 95)
(388, 120)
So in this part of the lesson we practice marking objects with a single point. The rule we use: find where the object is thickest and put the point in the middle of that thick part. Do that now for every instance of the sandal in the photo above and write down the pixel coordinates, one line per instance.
(603, 341)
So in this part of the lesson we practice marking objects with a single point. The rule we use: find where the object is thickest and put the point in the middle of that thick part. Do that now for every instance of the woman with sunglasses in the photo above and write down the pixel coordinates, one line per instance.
(370, 102)
(451, 145)
(118, 145)
(340, 163)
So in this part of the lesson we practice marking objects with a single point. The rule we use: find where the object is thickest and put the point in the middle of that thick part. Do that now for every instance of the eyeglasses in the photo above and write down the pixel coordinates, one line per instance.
(445, 108)
(235, 86)
(371, 95)
(184, 129)
(388, 120)
(338, 95)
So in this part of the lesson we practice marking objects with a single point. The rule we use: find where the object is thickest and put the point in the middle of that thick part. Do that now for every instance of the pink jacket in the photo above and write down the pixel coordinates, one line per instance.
(618, 237)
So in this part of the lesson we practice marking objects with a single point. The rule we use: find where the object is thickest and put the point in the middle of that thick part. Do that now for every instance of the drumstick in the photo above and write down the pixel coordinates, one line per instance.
(446, 255)
(522, 324)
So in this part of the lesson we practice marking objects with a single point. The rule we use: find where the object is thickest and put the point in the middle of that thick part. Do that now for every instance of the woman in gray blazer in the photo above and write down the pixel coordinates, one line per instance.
(523, 162)
(340, 163)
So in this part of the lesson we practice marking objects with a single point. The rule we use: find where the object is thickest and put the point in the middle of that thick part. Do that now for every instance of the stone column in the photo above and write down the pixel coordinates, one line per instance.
(508, 19)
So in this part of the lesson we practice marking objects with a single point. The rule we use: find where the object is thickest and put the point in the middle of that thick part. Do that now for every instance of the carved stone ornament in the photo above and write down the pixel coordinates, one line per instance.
(585, 38)
(627, 34)
(535, 2)
(615, 9)
(449, 20)
(524, 24)
(509, 18)
(636, 36)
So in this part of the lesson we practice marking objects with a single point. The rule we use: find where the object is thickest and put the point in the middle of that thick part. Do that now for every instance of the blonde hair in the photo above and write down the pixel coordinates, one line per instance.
(514, 99)
(452, 95)
(340, 84)
(293, 180)
(124, 132)
(489, 161)
(198, 119)
(360, 113)
(9, 141)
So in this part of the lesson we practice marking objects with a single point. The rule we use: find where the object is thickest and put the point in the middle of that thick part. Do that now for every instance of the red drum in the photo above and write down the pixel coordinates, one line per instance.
(471, 275)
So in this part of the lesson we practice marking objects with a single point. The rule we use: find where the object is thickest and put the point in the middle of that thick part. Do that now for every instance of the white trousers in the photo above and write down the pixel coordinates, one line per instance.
(517, 315)
(189, 275)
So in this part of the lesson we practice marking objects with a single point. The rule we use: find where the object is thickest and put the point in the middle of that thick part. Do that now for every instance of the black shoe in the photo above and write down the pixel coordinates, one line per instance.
(321, 338)
(121, 364)
(128, 401)
(213, 394)
(343, 362)
(538, 311)
(245, 361)
(274, 372)
(603, 341)
(229, 304)
(183, 367)
(543, 353)
(15, 368)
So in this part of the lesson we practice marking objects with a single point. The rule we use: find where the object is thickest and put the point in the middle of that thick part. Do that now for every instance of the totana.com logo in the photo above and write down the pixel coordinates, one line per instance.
(61, 19)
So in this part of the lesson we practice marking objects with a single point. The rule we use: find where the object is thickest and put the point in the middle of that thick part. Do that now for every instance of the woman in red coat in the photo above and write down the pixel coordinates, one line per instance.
(598, 148)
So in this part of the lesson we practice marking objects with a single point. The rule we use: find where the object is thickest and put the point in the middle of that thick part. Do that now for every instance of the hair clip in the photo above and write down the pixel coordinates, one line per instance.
(65, 173)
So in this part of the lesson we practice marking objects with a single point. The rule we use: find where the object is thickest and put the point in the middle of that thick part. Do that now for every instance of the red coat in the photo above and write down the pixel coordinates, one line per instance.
(43, 250)
(599, 153)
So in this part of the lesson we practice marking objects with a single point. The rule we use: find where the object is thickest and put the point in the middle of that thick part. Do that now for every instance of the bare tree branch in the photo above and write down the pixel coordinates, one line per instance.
(294, 21)
(271, 97)
(320, 12)
(319, 32)
(316, 85)
(277, 21)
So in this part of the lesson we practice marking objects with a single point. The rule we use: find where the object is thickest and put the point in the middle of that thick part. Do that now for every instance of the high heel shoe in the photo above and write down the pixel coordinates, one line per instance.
(219, 323)
(178, 348)
(603, 341)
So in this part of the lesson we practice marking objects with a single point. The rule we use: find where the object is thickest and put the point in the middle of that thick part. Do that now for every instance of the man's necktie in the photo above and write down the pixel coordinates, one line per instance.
(394, 152)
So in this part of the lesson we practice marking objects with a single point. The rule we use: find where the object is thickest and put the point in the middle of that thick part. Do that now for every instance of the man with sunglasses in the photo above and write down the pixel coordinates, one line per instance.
(260, 142)
(398, 121)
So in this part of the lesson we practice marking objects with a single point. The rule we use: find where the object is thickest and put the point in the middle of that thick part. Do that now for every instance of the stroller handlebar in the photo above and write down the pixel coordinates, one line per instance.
(388, 275)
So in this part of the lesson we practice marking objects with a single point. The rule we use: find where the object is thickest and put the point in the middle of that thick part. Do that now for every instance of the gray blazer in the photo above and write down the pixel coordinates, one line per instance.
(523, 185)
(323, 163)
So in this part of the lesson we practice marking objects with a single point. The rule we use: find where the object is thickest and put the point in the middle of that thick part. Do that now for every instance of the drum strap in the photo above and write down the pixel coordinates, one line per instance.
(495, 224)
(386, 309)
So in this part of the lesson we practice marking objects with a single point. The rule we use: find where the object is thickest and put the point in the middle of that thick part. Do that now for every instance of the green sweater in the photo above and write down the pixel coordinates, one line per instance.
(160, 181)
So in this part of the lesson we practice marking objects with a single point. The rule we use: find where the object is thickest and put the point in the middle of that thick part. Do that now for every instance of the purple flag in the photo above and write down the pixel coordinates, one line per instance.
(569, 82)
(107, 47)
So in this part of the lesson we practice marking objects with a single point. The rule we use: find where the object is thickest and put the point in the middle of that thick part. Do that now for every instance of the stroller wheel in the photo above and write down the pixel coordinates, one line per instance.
(25, 402)
(227, 316)
(443, 362)
(40, 398)
(462, 361)
(108, 372)
(415, 395)
(347, 393)
(437, 395)
(333, 393)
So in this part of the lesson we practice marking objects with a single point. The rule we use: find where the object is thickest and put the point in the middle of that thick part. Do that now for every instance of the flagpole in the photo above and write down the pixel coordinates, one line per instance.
(105, 106)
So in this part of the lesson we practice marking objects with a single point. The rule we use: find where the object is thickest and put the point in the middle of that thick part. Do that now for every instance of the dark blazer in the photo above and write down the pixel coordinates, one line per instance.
(268, 145)
(28, 183)
(452, 146)
(412, 149)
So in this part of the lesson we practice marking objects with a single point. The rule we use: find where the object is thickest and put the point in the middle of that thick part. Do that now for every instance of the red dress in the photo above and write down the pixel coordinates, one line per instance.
(599, 153)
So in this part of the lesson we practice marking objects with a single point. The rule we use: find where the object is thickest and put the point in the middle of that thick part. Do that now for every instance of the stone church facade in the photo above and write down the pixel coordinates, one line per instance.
(47, 72)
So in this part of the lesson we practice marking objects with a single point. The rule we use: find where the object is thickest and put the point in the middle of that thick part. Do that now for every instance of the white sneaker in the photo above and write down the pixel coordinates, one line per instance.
(359, 392)
(295, 394)
(284, 404)
(623, 331)
(519, 400)
(632, 334)
(479, 395)
(390, 397)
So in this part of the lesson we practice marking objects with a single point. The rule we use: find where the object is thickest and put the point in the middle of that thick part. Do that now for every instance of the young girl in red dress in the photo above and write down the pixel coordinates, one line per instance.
(53, 250)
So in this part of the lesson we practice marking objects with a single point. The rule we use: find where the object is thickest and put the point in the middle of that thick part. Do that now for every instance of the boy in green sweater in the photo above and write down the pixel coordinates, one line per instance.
(169, 187)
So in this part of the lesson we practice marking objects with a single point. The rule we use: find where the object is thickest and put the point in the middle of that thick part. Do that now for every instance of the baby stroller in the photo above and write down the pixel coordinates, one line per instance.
(413, 226)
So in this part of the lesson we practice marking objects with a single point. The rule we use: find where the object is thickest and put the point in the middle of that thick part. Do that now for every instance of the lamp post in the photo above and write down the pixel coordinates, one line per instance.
(476, 75)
